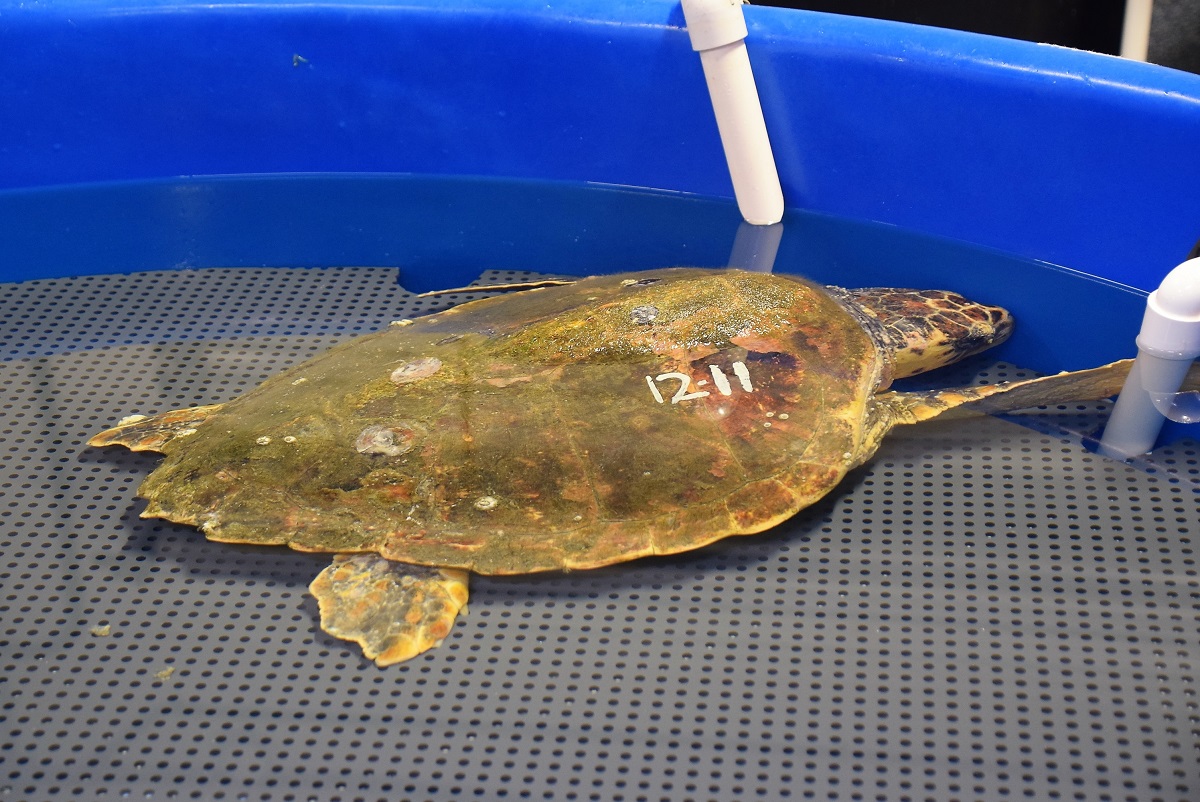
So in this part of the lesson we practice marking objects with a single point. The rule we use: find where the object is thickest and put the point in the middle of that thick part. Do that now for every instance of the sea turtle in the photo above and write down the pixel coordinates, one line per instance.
(562, 428)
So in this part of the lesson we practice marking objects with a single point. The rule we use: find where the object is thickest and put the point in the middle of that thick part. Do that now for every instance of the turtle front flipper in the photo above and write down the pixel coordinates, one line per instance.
(151, 433)
(1092, 384)
(393, 610)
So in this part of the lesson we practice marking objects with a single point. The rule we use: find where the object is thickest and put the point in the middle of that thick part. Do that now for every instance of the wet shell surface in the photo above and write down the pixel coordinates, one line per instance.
(571, 427)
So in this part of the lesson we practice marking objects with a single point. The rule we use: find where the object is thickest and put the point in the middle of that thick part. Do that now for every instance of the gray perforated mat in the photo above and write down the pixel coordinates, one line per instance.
(985, 612)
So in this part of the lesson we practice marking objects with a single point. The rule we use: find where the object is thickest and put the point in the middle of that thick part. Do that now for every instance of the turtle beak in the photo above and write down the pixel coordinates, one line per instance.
(994, 328)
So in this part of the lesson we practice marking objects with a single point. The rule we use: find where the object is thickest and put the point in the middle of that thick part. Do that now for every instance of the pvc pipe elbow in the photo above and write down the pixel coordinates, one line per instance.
(1171, 325)
(1168, 342)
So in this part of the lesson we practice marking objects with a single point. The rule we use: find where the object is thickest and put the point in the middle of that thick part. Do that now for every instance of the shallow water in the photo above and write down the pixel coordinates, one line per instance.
(443, 232)
(986, 610)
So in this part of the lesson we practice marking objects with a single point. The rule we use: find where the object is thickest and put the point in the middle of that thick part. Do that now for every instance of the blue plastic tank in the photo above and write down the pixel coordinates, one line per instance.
(1078, 159)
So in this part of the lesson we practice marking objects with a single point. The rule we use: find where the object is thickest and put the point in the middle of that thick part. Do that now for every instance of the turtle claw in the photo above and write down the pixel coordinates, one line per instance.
(393, 610)
(151, 433)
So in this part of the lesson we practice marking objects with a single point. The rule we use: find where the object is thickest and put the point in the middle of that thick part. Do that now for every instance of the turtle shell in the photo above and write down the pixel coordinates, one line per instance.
(568, 427)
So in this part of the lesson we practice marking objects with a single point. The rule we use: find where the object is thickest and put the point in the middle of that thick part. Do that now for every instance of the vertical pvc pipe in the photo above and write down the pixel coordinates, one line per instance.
(1135, 33)
(755, 247)
(717, 29)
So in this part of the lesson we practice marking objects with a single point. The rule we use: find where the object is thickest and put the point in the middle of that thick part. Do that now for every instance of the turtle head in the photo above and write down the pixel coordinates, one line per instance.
(926, 329)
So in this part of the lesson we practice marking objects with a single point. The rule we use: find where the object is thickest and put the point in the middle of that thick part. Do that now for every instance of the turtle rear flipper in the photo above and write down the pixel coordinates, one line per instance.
(151, 433)
(393, 610)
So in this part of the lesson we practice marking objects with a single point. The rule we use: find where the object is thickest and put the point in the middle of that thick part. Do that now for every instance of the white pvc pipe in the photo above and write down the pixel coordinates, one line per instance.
(717, 29)
(1135, 33)
(755, 247)
(1167, 344)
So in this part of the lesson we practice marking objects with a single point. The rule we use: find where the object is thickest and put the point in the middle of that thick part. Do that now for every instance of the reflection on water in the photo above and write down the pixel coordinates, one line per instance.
(443, 232)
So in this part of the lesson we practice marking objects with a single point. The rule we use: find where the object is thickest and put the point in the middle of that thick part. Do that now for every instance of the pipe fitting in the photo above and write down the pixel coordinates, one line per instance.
(1168, 342)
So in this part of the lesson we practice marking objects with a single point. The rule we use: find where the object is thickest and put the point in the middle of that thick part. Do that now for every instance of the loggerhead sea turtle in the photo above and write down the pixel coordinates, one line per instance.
(563, 428)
